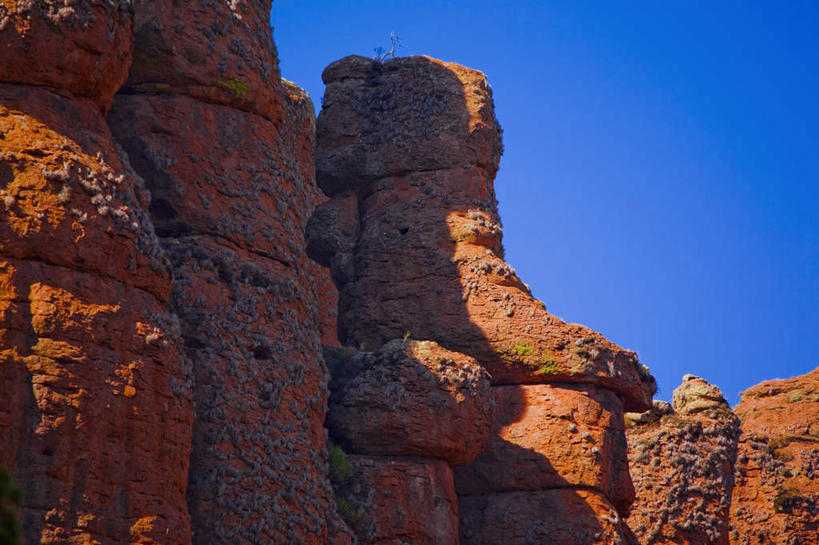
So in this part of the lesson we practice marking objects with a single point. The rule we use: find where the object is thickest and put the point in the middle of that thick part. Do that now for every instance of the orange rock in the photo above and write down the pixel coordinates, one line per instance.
(218, 53)
(565, 516)
(682, 463)
(96, 415)
(231, 194)
(776, 495)
(66, 197)
(413, 143)
(408, 150)
(75, 47)
(410, 398)
(553, 436)
(391, 501)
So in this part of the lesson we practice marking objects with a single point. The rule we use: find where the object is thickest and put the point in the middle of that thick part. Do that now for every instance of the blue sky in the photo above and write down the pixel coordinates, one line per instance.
(660, 180)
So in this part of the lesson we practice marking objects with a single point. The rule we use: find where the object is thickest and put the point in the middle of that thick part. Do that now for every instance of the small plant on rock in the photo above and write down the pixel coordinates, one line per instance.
(381, 54)
(340, 472)
(10, 499)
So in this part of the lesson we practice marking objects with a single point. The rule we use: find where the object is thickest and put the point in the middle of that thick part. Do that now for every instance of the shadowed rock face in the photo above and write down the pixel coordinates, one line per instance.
(553, 436)
(410, 398)
(561, 515)
(96, 413)
(776, 495)
(397, 501)
(681, 459)
(408, 150)
(226, 149)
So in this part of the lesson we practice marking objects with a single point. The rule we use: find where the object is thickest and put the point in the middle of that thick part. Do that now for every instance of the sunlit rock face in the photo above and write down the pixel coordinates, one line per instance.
(407, 151)
(681, 458)
(96, 408)
(776, 494)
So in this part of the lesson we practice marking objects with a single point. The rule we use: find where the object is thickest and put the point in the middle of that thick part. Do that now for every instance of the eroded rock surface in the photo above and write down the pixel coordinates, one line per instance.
(398, 501)
(407, 151)
(410, 398)
(553, 436)
(776, 495)
(681, 459)
(217, 52)
(226, 149)
(562, 515)
(96, 413)
(76, 48)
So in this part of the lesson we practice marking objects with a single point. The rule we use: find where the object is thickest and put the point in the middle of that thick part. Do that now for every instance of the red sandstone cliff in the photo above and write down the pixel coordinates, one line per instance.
(707, 475)
(681, 458)
(776, 495)
(127, 356)
(161, 324)
(96, 412)
(408, 150)
(226, 149)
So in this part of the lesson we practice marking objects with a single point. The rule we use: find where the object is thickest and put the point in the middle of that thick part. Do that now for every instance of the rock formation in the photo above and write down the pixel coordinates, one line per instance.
(161, 325)
(408, 150)
(681, 458)
(225, 147)
(96, 412)
(776, 495)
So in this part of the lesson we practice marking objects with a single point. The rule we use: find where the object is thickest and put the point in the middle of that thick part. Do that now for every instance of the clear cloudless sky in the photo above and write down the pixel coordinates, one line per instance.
(660, 180)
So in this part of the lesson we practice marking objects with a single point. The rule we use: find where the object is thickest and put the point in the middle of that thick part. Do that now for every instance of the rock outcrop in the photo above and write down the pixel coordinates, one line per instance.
(397, 501)
(226, 149)
(407, 150)
(681, 458)
(161, 326)
(410, 398)
(776, 494)
(96, 405)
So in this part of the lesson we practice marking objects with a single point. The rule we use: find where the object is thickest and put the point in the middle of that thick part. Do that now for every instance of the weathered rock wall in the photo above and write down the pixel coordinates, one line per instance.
(408, 150)
(96, 405)
(706, 474)
(161, 326)
(776, 495)
(226, 149)
(681, 458)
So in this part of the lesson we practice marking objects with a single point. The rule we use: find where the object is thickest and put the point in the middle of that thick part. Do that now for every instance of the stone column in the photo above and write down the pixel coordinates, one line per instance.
(96, 405)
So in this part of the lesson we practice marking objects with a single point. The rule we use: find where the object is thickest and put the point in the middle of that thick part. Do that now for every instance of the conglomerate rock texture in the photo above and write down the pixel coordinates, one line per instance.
(408, 150)
(776, 494)
(161, 326)
(226, 149)
(410, 398)
(96, 408)
(681, 459)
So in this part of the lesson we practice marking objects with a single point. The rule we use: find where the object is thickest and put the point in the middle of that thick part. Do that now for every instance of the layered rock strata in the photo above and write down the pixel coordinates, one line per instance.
(226, 149)
(408, 150)
(681, 458)
(776, 494)
(96, 413)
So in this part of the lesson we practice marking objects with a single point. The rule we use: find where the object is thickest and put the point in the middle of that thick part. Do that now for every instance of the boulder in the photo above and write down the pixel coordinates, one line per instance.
(410, 398)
